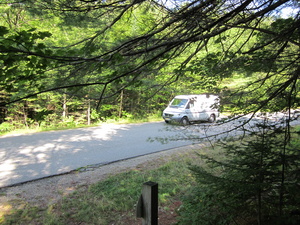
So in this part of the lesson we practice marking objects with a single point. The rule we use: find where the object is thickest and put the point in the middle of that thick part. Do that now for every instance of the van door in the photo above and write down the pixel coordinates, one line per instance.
(193, 110)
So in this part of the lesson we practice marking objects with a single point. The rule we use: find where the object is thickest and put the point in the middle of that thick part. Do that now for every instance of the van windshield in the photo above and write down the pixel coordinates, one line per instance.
(178, 103)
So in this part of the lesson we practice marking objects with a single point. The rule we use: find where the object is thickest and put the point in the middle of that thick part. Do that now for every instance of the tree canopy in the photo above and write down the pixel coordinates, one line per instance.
(96, 49)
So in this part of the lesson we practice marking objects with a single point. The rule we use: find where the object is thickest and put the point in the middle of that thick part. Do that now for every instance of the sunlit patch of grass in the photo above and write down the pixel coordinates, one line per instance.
(5, 209)
(22, 214)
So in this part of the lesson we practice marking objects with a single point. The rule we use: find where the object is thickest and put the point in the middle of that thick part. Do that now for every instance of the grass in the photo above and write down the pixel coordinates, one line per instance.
(35, 129)
(113, 200)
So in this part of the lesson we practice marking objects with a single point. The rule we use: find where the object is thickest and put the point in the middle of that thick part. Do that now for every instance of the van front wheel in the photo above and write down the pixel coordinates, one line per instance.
(185, 121)
(212, 118)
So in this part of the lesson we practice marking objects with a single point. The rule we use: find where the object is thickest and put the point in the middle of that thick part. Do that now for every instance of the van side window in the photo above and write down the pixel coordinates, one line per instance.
(191, 104)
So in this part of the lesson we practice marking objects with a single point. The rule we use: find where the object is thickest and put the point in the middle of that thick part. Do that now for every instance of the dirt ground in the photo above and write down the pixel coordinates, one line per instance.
(48, 191)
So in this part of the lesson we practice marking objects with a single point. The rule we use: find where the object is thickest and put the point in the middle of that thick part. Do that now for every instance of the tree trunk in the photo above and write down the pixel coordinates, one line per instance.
(89, 113)
(65, 109)
(121, 104)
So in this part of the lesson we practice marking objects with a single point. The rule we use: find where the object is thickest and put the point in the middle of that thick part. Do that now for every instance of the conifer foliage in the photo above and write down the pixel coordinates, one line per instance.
(256, 183)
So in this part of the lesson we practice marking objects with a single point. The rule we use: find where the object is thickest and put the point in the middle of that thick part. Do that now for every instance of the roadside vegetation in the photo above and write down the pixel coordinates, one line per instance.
(8, 129)
(212, 185)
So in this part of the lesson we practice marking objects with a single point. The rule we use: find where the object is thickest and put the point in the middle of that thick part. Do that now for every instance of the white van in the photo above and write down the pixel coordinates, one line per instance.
(192, 108)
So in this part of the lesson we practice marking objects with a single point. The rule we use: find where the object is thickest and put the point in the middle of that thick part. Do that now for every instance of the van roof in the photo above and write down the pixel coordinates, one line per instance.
(193, 96)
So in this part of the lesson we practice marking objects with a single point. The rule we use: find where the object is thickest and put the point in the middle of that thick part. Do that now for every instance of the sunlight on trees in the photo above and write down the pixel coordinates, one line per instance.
(142, 49)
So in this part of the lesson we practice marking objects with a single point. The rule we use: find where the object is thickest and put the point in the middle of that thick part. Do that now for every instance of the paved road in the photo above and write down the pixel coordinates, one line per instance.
(33, 156)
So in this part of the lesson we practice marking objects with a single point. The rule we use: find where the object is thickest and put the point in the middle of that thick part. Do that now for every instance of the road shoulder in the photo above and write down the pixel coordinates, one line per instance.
(48, 191)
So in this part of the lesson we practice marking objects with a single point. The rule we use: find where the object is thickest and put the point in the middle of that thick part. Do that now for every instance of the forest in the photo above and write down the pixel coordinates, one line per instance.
(75, 62)
(82, 62)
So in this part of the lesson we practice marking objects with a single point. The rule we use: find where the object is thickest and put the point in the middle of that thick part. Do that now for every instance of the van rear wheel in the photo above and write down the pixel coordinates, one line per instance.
(185, 121)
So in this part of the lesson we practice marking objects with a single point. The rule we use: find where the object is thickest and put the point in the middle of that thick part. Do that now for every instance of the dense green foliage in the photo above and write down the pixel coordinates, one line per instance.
(49, 69)
(87, 61)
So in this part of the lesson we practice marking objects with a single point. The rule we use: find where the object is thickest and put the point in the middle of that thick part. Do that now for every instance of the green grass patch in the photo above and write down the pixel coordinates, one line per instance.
(106, 201)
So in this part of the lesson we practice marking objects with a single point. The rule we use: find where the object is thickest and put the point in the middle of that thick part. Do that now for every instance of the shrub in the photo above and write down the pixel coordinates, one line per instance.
(6, 127)
(257, 183)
